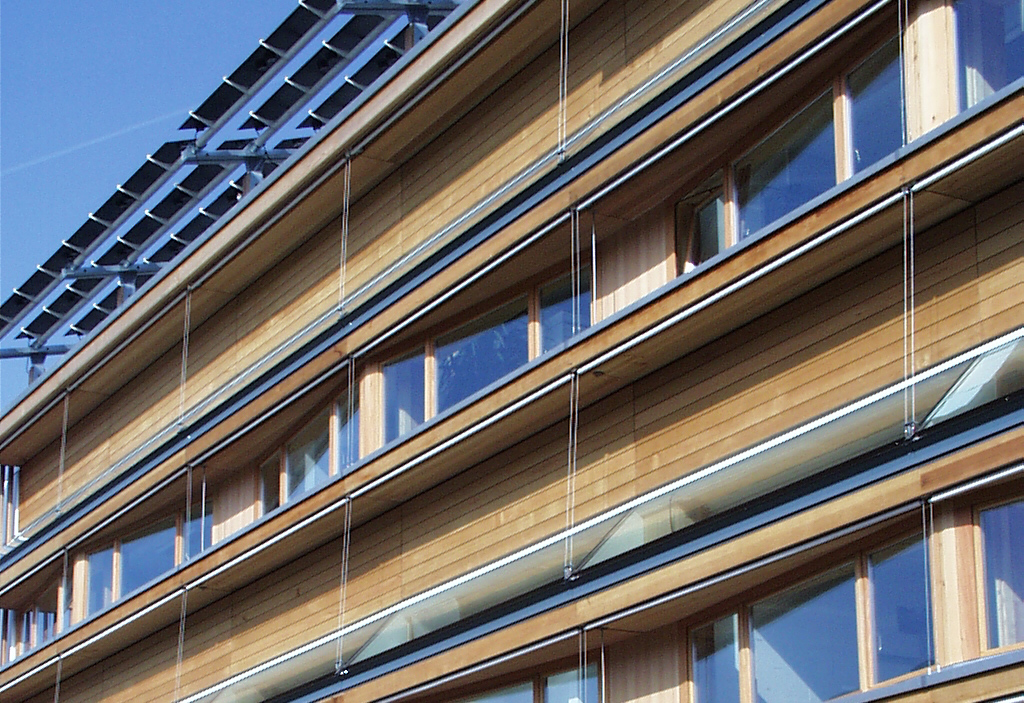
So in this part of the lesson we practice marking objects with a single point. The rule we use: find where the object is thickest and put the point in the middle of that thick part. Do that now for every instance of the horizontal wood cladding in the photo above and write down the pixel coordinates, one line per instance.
(509, 129)
(819, 351)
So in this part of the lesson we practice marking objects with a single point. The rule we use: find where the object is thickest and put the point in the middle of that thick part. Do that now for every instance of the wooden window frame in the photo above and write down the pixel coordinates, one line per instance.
(980, 574)
(864, 616)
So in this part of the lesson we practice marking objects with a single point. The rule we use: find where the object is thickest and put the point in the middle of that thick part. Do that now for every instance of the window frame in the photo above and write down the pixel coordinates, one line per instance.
(980, 574)
(857, 555)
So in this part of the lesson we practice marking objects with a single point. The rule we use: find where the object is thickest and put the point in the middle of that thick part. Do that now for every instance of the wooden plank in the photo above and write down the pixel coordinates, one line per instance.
(646, 669)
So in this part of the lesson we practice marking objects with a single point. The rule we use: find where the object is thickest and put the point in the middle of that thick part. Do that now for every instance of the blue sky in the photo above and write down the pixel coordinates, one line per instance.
(87, 89)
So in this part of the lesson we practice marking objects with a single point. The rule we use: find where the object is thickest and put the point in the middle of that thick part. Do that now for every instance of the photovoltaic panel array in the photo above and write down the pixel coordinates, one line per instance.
(333, 50)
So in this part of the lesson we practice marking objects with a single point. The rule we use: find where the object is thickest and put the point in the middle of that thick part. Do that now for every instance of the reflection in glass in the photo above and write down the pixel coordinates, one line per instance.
(556, 309)
(789, 168)
(990, 47)
(523, 693)
(1002, 535)
(709, 229)
(403, 396)
(199, 530)
(100, 580)
(804, 640)
(481, 352)
(348, 431)
(570, 687)
(899, 593)
(716, 661)
(875, 112)
(307, 460)
(147, 554)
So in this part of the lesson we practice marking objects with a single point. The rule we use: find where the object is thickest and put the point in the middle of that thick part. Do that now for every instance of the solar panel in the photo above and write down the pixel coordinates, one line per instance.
(186, 189)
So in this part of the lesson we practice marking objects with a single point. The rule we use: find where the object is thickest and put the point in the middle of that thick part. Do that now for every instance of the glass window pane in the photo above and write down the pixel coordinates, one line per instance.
(875, 112)
(570, 687)
(403, 396)
(789, 168)
(804, 640)
(1002, 535)
(709, 229)
(523, 693)
(348, 431)
(199, 530)
(270, 478)
(100, 580)
(716, 661)
(900, 605)
(306, 457)
(147, 554)
(481, 352)
(990, 47)
(556, 308)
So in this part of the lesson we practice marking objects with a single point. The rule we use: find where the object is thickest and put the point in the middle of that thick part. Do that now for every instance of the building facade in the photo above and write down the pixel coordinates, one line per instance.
(606, 351)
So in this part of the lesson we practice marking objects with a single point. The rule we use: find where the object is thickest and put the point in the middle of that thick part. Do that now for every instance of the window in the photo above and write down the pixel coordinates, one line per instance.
(804, 640)
(990, 47)
(789, 168)
(477, 354)
(876, 122)
(523, 693)
(9, 504)
(716, 661)
(557, 324)
(270, 483)
(901, 642)
(198, 532)
(348, 431)
(403, 396)
(1002, 546)
(572, 686)
(307, 460)
(100, 580)
(147, 554)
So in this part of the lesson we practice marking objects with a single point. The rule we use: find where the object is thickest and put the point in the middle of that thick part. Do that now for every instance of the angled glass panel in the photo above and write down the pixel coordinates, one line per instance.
(875, 106)
(716, 661)
(791, 167)
(557, 324)
(146, 554)
(803, 641)
(988, 377)
(1002, 538)
(100, 580)
(481, 352)
(899, 594)
(307, 460)
(403, 396)
(990, 47)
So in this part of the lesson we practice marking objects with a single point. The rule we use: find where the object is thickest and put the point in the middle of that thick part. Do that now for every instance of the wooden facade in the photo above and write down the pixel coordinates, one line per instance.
(636, 470)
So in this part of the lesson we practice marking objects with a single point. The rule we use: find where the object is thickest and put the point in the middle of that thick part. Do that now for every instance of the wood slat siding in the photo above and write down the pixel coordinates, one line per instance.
(637, 260)
(812, 354)
(508, 130)
(234, 504)
(646, 669)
